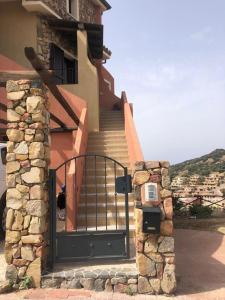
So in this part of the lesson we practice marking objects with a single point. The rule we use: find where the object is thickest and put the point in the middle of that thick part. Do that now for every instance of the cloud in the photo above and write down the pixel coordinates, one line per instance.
(205, 34)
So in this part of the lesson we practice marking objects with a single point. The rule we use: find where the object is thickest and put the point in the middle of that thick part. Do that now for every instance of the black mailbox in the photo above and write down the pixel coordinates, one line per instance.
(151, 219)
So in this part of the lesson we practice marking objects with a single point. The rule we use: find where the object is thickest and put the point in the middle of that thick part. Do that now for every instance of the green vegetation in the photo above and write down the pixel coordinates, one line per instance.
(200, 211)
(203, 166)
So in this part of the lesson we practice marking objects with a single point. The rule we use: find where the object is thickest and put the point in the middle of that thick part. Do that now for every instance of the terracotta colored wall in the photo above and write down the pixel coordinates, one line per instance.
(134, 148)
(107, 98)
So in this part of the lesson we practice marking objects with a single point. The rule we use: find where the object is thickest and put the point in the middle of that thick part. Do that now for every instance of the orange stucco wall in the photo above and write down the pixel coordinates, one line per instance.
(133, 144)
(107, 97)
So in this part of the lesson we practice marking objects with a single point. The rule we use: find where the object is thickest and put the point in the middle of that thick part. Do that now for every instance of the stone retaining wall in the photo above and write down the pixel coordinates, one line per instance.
(27, 175)
(154, 252)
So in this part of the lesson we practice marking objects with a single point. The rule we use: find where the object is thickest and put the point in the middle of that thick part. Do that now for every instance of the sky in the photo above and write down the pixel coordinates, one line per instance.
(169, 57)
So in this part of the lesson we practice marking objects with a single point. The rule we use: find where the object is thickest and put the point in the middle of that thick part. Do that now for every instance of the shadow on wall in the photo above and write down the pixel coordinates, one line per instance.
(200, 261)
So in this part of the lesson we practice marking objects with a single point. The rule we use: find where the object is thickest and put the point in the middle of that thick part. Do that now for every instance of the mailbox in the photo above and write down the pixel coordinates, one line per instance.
(151, 219)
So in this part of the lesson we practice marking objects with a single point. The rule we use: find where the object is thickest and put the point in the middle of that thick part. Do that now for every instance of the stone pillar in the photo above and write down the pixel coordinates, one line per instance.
(154, 252)
(27, 175)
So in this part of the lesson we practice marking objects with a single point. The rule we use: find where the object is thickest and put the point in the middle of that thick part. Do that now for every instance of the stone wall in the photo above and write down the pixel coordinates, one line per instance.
(154, 252)
(88, 11)
(27, 174)
(46, 35)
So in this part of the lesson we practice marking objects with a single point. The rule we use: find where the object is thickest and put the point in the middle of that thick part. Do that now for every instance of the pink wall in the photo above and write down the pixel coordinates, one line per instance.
(134, 147)
(107, 98)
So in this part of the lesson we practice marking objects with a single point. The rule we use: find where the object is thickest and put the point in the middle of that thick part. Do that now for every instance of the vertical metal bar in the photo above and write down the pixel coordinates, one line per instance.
(85, 188)
(96, 198)
(127, 214)
(75, 193)
(115, 195)
(53, 217)
(65, 169)
(106, 199)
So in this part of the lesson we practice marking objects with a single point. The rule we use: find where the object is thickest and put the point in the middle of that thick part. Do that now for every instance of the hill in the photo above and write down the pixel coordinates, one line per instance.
(203, 166)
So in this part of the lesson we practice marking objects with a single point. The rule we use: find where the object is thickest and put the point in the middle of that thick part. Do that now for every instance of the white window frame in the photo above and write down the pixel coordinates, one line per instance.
(147, 186)
(76, 13)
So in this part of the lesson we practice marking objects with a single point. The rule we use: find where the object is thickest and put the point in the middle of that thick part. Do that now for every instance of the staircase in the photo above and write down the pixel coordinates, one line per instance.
(109, 141)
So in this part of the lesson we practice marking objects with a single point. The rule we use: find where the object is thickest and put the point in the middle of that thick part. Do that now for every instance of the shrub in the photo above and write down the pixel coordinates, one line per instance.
(200, 211)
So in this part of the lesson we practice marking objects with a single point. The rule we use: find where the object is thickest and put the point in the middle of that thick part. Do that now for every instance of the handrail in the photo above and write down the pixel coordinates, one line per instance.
(134, 147)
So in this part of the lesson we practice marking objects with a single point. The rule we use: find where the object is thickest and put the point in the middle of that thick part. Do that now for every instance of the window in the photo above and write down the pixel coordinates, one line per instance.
(65, 69)
(151, 192)
(73, 8)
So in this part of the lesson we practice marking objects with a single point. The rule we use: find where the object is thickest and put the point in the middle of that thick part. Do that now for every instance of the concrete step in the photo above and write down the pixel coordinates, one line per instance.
(107, 147)
(110, 179)
(117, 156)
(102, 208)
(99, 188)
(109, 164)
(90, 221)
(101, 198)
(116, 133)
(109, 172)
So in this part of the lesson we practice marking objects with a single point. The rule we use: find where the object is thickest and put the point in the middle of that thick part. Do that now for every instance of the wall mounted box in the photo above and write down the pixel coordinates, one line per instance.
(151, 220)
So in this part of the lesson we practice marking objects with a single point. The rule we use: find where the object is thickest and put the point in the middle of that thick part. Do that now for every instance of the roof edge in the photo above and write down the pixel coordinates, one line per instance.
(106, 4)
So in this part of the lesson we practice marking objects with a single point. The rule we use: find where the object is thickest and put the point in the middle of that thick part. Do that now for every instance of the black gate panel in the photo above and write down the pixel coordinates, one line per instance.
(97, 245)
(101, 210)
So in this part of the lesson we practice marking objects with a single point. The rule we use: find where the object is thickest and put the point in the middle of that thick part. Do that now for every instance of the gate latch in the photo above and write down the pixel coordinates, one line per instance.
(123, 184)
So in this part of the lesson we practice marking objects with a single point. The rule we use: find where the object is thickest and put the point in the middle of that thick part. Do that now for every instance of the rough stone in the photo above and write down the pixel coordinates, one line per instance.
(11, 180)
(168, 208)
(155, 284)
(11, 157)
(165, 182)
(141, 177)
(168, 283)
(20, 110)
(13, 194)
(152, 165)
(18, 222)
(167, 245)
(144, 286)
(164, 164)
(37, 192)
(15, 96)
(27, 253)
(36, 150)
(116, 280)
(21, 157)
(16, 252)
(12, 86)
(35, 104)
(156, 257)
(51, 283)
(15, 135)
(21, 148)
(165, 194)
(19, 262)
(12, 167)
(38, 163)
(108, 286)
(87, 283)
(35, 175)
(32, 239)
(12, 116)
(11, 273)
(9, 219)
(36, 208)
(120, 288)
(12, 237)
(26, 223)
(139, 166)
(99, 285)
(22, 188)
(8, 253)
(155, 178)
(74, 284)
(37, 225)
(11, 203)
(151, 244)
(5, 287)
(22, 272)
(146, 266)
(10, 146)
(132, 289)
(166, 228)
(34, 271)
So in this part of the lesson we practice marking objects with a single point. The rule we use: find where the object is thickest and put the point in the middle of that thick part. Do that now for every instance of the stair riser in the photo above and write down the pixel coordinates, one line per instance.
(101, 199)
(102, 210)
(100, 189)
(102, 222)
(106, 147)
(109, 164)
(109, 172)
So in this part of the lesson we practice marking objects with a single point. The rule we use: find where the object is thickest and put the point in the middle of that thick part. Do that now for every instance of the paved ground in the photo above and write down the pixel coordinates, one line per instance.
(200, 269)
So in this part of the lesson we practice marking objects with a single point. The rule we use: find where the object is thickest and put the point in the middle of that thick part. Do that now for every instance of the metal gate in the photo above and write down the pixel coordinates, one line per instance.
(95, 221)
